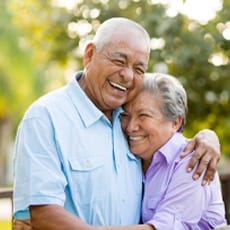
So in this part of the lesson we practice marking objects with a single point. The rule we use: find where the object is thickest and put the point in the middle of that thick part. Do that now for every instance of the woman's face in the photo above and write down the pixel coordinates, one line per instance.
(145, 126)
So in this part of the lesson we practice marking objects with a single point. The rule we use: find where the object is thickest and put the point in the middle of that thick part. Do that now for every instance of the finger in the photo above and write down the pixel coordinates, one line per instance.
(21, 224)
(210, 172)
(194, 159)
(200, 153)
(202, 166)
(188, 148)
(204, 182)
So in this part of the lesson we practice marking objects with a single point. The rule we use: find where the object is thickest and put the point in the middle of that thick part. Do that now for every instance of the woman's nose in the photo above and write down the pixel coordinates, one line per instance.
(132, 125)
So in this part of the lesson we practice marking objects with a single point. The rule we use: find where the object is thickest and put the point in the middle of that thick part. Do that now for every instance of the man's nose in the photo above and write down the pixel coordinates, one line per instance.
(127, 73)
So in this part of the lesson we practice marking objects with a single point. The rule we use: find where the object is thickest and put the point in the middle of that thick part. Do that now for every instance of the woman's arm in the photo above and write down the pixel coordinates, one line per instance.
(206, 147)
(184, 202)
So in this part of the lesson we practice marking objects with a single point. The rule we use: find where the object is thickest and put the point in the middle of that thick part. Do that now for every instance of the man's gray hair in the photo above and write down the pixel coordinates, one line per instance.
(171, 93)
(112, 26)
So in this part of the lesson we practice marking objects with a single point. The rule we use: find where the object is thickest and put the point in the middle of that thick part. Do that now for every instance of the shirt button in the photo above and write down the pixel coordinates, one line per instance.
(88, 163)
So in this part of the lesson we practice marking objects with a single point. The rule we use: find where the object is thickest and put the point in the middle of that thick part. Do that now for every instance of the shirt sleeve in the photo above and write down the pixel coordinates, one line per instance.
(183, 203)
(38, 175)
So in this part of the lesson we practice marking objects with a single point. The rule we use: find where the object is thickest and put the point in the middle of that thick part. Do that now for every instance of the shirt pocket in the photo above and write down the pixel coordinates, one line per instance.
(86, 164)
(87, 178)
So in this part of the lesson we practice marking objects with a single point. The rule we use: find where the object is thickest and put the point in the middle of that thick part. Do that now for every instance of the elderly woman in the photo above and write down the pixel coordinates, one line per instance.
(153, 123)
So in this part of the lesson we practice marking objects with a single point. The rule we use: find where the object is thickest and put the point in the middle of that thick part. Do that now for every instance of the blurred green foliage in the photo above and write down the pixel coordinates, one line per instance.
(40, 41)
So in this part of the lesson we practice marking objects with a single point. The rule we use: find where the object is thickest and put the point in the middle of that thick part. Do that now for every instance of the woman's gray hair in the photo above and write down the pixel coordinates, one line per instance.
(112, 26)
(171, 94)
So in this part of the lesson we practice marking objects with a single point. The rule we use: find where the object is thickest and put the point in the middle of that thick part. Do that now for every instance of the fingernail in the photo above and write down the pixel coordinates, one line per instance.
(196, 176)
(189, 169)
(204, 182)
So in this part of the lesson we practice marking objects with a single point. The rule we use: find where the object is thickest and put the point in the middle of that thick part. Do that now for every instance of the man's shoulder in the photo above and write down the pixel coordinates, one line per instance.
(46, 103)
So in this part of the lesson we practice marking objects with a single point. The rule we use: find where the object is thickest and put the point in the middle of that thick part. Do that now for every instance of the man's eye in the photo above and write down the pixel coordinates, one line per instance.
(139, 71)
(119, 62)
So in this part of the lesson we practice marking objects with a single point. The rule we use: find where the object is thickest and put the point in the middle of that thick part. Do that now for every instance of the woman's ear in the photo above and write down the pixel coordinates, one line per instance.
(177, 123)
(88, 53)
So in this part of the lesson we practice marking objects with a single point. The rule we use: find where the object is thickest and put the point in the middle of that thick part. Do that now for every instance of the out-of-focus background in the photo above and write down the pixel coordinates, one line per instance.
(41, 46)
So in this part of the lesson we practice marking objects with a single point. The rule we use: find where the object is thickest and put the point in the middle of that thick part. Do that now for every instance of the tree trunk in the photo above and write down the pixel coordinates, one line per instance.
(5, 140)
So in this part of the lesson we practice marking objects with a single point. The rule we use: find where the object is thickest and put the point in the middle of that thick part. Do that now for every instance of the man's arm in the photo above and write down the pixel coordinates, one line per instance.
(131, 227)
(54, 217)
(207, 151)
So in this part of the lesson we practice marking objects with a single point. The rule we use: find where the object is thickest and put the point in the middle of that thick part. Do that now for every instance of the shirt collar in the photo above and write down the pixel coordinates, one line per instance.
(88, 112)
(172, 148)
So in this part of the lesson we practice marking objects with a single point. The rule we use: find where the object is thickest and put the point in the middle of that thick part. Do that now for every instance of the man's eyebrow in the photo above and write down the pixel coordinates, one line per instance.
(119, 54)
(123, 55)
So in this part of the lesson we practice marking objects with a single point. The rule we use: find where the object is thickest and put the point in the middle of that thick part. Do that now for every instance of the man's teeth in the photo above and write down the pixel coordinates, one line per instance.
(135, 138)
(118, 86)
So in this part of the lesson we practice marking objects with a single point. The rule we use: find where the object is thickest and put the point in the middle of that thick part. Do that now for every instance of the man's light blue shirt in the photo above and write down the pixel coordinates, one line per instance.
(173, 200)
(68, 153)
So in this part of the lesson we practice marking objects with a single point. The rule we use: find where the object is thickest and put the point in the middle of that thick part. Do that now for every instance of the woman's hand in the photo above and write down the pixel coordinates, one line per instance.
(206, 147)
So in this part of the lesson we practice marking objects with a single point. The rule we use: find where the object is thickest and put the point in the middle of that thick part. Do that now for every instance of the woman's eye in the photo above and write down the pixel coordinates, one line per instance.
(143, 115)
(123, 115)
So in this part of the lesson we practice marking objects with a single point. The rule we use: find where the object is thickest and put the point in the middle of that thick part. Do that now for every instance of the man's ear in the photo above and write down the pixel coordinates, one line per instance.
(88, 53)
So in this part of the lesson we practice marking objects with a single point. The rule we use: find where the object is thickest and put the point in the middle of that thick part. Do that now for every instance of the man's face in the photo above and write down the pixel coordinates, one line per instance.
(114, 74)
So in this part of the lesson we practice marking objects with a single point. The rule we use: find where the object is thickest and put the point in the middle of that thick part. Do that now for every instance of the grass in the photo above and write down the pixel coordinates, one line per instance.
(5, 225)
